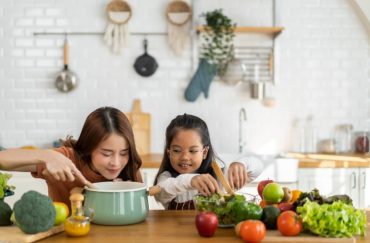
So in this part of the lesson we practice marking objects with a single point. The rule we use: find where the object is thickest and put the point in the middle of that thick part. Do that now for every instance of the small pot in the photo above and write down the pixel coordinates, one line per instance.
(118, 203)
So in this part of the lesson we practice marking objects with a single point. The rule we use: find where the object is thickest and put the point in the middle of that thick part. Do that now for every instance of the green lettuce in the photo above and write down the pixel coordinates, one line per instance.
(332, 220)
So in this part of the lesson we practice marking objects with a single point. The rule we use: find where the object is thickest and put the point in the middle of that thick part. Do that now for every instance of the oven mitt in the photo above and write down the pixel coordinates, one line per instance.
(201, 80)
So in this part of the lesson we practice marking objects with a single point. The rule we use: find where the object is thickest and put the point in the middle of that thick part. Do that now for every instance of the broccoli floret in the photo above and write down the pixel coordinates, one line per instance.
(34, 212)
(5, 213)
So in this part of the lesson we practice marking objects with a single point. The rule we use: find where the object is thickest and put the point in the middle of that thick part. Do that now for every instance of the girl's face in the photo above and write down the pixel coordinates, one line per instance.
(111, 156)
(186, 151)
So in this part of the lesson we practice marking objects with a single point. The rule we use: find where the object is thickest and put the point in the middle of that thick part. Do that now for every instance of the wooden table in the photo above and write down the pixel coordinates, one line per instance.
(160, 226)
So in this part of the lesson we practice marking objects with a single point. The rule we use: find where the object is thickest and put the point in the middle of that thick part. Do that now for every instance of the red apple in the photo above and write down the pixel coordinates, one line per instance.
(285, 206)
(262, 185)
(206, 223)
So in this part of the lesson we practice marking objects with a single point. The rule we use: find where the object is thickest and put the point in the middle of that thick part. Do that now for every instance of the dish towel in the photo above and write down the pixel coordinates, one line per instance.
(201, 80)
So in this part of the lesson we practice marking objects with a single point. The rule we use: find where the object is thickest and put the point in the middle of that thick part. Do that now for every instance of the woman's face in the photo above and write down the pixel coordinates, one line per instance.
(186, 151)
(111, 156)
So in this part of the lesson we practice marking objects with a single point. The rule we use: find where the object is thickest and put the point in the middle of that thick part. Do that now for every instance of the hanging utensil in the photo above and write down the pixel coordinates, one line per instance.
(145, 65)
(66, 79)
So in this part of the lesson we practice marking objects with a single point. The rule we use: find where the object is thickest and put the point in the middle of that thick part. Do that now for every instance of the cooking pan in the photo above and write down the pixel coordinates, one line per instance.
(119, 203)
(66, 79)
(145, 65)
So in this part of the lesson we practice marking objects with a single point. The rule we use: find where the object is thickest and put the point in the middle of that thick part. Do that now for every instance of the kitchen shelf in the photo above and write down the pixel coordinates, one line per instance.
(275, 31)
(312, 160)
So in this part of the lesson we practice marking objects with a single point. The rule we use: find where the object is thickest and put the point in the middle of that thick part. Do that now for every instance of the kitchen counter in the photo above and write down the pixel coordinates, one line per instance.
(331, 160)
(160, 226)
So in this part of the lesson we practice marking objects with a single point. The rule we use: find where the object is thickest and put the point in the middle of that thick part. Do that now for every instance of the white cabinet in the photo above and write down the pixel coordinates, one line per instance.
(330, 181)
(364, 186)
(149, 175)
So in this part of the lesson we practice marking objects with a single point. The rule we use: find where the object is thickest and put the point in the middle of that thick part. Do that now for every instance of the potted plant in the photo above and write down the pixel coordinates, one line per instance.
(5, 189)
(218, 47)
(217, 51)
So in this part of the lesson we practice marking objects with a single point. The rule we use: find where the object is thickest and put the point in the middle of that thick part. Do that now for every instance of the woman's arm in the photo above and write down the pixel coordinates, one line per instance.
(56, 164)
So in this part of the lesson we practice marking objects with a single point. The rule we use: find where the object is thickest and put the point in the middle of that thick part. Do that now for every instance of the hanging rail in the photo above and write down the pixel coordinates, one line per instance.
(95, 33)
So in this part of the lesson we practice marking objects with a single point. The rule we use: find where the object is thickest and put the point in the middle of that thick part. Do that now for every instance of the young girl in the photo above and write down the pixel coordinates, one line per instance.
(186, 166)
(104, 151)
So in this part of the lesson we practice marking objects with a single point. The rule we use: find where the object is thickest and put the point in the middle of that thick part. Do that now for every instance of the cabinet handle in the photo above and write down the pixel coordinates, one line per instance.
(364, 180)
(353, 178)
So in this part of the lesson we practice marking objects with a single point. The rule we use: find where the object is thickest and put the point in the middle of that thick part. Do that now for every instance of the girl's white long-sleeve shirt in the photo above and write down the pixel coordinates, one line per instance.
(180, 189)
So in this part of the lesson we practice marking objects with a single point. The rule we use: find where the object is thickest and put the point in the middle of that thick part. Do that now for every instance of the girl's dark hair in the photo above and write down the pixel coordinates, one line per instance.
(186, 122)
(99, 125)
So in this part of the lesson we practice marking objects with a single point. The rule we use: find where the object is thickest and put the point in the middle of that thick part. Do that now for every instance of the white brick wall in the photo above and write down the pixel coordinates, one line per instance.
(322, 68)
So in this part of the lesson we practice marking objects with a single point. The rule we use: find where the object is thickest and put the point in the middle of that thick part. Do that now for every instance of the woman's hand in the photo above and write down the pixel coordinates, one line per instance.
(61, 168)
(238, 175)
(205, 184)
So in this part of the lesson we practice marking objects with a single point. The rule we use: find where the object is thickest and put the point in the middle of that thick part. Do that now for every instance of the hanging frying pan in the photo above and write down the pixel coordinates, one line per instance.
(66, 79)
(145, 65)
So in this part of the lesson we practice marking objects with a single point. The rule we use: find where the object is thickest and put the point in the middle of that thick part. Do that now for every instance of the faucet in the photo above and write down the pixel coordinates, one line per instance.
(242, 118)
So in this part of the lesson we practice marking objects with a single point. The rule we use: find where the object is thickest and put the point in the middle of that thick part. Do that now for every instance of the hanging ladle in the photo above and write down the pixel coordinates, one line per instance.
(66, 79)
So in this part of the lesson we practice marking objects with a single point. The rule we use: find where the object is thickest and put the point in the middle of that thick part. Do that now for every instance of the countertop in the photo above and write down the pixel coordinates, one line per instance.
(160, 226)
(308, 160)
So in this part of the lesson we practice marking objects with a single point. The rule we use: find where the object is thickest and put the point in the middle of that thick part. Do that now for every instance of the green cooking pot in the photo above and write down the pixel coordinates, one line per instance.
(117, 203)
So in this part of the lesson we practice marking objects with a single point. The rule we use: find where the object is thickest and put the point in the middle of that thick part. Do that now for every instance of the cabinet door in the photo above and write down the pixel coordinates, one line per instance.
(364, 183)
(331, 181)
(148, 175)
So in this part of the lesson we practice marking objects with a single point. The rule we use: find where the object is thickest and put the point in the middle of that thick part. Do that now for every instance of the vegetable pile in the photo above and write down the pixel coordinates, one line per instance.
(230, 209)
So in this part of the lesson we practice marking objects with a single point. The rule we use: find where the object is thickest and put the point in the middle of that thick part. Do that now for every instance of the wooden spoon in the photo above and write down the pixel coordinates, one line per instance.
(220, 175)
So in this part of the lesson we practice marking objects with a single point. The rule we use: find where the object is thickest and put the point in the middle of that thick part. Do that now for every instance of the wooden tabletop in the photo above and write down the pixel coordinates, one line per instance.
(160, 226)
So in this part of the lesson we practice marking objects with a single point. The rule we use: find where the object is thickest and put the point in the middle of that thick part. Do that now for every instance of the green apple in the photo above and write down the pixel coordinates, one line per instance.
(62, 212)
(273, 193)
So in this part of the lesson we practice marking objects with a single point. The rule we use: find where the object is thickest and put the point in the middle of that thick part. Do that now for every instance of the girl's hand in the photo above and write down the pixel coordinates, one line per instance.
(61, 168)
(205, 184)
(238, 175)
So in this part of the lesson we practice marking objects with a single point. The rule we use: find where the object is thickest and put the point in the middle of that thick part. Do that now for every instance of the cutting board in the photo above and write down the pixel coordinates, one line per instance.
(12, 234)
(274, 236)
(140, 123)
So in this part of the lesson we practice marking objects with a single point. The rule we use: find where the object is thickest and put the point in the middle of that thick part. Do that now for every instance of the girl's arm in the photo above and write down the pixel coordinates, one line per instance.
(56, 164)
(172, 187)
(244, 170)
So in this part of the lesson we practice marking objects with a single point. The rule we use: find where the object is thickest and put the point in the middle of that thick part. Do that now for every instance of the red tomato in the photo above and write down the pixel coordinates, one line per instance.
(252, 231)
(289, 223)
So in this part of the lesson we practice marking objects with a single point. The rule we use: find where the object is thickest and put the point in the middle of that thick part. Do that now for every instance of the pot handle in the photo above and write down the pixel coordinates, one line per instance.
(153, 190)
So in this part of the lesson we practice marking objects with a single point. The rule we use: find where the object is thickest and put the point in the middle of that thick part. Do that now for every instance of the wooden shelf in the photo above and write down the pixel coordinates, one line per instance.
(275, 31)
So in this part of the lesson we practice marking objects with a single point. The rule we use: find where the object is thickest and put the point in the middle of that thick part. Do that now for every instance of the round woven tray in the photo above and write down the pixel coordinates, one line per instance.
(119, 6)
(178, 6)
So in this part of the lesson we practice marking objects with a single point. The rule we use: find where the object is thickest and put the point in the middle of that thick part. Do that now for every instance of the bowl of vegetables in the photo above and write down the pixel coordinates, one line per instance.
(230, 209)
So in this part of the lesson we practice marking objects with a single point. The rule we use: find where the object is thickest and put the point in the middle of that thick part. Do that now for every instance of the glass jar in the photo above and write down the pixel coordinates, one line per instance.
(343, 138)
(361, 142)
